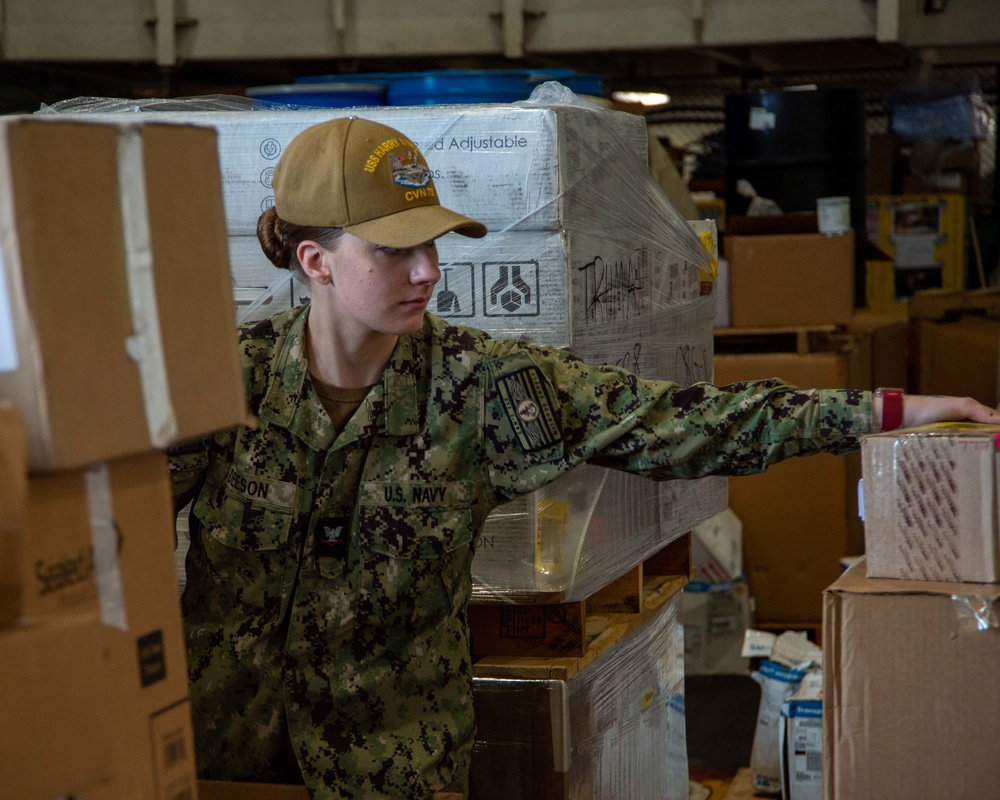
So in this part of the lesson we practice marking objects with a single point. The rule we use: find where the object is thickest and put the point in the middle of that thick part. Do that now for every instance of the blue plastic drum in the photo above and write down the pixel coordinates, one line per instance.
(445, 87)
(321, 95)
(348, 77)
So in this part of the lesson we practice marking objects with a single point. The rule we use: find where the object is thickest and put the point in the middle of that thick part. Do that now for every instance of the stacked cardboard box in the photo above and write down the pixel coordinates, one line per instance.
(104, 361)
(911, 631)
(606, 725)
(791, 298)
(786, 257)
(799, 517)
(585, 253)
(956, 344)
(910, 707)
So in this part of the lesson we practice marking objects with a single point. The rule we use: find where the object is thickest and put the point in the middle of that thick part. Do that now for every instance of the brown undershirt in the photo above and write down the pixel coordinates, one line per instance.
(339, 403)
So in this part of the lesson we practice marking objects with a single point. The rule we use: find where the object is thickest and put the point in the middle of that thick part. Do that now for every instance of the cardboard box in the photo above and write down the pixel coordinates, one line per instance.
(882, 349)
(956, 344)
(235, 790)
(563, 288)
(101, 541)
(778, 278)
(923, 236)
(910, 705)
(53, 740)
(884, 164)
(13, 500)
(800, 516)
(950, 182)
(141, 249)
(716, 618)
(931, 503)
(597, 727)
(507, 166)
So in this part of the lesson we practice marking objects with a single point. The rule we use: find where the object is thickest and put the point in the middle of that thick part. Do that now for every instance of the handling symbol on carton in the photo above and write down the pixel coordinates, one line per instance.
(511, 299)
(447, 300)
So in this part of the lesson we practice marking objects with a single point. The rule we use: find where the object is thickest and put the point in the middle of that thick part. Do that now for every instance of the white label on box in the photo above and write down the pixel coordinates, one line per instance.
(8, 344)
(915, 250)
(761, 119)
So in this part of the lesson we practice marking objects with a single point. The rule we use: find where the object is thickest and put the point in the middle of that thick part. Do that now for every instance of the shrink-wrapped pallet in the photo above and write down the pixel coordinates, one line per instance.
(614, 728)
(585, 252)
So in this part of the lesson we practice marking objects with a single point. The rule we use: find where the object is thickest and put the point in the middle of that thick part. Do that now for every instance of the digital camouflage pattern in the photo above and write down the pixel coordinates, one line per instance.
(328, 576)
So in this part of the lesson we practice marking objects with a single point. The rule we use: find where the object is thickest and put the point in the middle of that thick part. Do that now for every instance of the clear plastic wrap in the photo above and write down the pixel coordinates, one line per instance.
(616, 728)
(930, 503)
(933, 110)
(585, 252)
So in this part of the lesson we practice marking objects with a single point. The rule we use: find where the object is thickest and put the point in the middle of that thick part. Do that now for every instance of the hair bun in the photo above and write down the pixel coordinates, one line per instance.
(271, 239)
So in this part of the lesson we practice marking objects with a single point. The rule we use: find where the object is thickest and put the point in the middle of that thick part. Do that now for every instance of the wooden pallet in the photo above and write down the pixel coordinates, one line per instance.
(570, 630)
(799, 340)
(742, 786)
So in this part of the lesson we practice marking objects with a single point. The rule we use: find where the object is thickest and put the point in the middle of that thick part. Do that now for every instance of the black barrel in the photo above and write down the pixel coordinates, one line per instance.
(795, 146)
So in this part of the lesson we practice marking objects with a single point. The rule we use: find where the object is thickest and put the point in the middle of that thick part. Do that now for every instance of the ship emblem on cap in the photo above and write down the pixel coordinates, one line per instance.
(408, 171)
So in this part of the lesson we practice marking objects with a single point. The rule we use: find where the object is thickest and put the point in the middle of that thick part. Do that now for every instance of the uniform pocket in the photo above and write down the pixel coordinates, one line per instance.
(243, 540)
(416, 555)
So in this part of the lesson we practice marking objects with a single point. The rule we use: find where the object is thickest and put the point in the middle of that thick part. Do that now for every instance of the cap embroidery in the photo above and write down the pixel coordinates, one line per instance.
(408, 171)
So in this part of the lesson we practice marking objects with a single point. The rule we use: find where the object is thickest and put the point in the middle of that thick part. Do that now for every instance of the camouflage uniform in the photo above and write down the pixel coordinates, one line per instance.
(328, 576)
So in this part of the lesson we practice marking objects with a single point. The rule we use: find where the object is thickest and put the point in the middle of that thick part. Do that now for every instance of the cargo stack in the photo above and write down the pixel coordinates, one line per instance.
(790, 301)
(586, 253)
(104, 356)
(910, 707)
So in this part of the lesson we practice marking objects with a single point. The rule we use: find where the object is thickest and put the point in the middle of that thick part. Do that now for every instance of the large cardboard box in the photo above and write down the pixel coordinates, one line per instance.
(114, 260)
(235, 790)
(800, 517)
(956, 344)
(610, 724)
(562, 288)
(53, 740)
(101, 540)
(507, 166)
(911, 707)
(13, 500)
(923, 236)
(882, 350)
(787, 278)
(930, 502)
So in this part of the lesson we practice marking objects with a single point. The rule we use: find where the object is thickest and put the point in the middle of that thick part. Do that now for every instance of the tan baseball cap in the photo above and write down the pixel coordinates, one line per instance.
(366, 178)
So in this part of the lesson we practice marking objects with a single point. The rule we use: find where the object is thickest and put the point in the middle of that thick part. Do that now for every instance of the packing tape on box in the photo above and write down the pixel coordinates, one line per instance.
(104, 543)
(27, 353)
(144, 346)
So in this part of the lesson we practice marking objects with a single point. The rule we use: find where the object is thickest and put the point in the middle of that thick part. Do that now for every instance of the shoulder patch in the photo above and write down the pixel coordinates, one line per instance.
(531, 408)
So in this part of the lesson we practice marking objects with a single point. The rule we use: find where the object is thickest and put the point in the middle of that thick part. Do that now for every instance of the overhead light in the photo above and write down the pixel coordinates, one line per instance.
(643, 98)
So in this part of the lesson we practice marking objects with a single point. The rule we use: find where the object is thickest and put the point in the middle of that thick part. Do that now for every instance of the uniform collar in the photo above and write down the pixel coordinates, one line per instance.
(393, 407)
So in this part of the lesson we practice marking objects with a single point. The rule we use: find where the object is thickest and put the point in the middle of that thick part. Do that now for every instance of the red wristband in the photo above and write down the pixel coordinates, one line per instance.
(892, 408)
